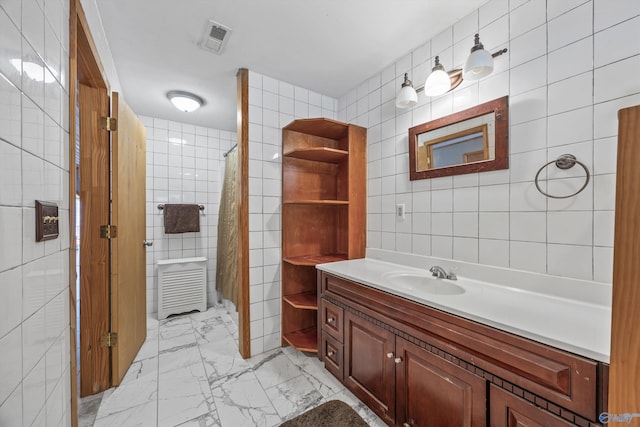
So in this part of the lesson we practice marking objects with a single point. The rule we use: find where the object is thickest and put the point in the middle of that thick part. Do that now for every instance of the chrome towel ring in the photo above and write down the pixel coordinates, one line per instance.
(565, 161)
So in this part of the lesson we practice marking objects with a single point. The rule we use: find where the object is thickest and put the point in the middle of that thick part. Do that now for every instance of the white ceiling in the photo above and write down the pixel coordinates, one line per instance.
(328, 46)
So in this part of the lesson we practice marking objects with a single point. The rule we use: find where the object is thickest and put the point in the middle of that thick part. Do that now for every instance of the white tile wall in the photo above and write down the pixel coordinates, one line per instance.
(560, 75)
(185, 164)
(272, 105)
(34, 277)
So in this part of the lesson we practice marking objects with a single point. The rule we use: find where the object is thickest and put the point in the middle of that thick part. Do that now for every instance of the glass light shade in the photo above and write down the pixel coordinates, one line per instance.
(185, 101)
(407, 97)
(438, 82)
(185, 104)
(479, 64)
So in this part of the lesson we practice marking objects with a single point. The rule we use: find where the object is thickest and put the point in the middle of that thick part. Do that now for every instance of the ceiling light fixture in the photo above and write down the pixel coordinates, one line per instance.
(479, 64)
(185, 101)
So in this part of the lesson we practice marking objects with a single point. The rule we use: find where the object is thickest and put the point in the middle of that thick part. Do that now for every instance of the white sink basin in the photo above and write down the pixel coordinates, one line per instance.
(413, 282)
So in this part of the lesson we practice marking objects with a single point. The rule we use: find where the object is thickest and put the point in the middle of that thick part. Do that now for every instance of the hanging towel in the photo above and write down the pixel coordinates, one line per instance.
(181, 218)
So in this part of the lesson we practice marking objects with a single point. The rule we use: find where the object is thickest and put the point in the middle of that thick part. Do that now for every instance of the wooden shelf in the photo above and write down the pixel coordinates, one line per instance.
(316, 202)
(313, 260)
(303, 340)
(318, 154)
(323, 127)
(304, 301)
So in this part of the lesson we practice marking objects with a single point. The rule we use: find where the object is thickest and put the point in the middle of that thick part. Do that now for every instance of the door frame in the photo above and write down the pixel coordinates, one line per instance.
(85, 65)
(94, 284)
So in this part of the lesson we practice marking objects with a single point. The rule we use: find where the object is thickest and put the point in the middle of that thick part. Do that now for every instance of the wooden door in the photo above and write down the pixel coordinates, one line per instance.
(434, 392)
(369, 368)
(94, 251)
(128, 293)
(624, 387)
(507, 410)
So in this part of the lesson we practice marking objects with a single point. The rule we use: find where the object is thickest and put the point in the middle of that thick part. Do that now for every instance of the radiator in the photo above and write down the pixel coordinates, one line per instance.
(182, 286)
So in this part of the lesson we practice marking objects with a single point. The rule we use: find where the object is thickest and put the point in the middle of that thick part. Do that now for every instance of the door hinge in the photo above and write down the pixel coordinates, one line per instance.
(109, 124)
(108, 231)
(109, 339)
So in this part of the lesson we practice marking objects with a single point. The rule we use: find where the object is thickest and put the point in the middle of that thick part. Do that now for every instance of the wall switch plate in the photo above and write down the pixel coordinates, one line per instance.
(47, 221)
(400, 210)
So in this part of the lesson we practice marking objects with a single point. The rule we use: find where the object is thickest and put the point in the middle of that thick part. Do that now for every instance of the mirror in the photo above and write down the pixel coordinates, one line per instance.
(473, 140)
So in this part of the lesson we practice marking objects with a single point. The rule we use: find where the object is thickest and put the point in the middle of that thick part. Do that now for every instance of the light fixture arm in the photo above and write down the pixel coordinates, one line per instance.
(437, 65)
(476, 43)
(406, 82)
(498, 53)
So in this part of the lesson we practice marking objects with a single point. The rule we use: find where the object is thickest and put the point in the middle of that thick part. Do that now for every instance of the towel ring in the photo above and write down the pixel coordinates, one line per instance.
(566, 161)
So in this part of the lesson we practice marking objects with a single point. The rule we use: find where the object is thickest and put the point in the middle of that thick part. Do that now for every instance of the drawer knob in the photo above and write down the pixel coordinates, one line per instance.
(389, 355)
(331, 319)
(398, 360)
(330, 353)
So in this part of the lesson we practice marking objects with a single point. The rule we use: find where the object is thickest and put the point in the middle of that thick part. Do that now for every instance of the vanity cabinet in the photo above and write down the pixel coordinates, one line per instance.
(418, 366)
(323, 211)
(510, 411)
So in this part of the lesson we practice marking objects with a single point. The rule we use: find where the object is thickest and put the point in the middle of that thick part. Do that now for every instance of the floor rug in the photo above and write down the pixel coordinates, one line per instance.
(334, 413)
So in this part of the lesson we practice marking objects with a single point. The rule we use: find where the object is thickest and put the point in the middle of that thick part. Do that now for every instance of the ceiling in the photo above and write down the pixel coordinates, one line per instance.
(327, 46)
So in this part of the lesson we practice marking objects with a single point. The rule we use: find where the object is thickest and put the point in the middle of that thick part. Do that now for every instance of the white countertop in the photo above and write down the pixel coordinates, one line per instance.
(570, 314)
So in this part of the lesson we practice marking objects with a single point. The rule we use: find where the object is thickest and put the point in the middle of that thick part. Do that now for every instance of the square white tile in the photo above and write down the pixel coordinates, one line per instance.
(572, 26)
(527, 17)
(494, 252)
(612, 45)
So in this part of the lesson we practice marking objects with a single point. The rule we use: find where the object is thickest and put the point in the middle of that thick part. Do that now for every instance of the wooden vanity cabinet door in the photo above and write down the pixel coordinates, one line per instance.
(507, 410)
(369, 368)
(432, 391)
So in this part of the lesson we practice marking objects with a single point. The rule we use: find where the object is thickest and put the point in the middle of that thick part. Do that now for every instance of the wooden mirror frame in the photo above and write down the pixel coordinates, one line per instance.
(498, 106)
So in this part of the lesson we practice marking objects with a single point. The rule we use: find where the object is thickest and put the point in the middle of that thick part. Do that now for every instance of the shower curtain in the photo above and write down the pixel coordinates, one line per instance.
(227, 259)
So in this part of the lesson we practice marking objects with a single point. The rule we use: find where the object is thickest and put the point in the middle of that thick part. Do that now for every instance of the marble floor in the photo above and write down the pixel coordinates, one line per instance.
(190, 373)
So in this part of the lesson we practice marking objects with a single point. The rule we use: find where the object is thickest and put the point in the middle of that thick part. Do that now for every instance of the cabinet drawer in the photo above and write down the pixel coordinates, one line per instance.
(332, 320)
(507, 410)
(332, 355)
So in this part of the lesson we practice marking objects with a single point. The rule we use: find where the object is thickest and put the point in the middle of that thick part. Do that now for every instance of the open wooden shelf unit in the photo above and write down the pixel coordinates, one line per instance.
(323, 215)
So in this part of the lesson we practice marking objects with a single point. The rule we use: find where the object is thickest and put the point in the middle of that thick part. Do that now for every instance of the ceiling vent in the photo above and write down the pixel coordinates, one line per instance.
(215, 37)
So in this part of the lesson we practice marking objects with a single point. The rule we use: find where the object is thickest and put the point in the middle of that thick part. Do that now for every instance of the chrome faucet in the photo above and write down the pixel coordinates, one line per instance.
(440, 273)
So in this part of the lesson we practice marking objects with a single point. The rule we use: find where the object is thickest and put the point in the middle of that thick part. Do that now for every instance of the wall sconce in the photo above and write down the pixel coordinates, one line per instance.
(407, 96)
(441, 81)
(185, 101)
(479, 64)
